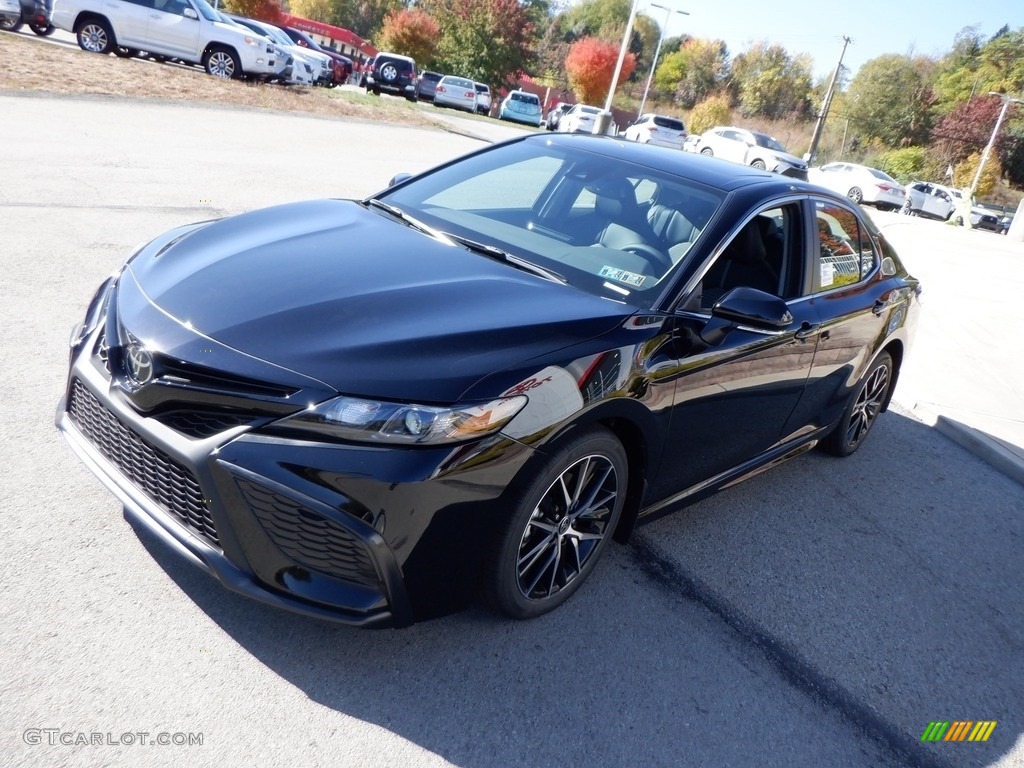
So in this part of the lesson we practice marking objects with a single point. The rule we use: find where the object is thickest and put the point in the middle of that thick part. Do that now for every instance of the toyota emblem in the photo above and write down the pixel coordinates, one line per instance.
(139, 364)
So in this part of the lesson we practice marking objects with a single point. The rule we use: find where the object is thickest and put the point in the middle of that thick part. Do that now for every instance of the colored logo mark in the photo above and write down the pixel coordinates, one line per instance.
(958, 730)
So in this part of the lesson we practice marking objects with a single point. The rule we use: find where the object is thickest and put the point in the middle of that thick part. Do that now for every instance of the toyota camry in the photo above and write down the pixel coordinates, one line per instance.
(475, 381)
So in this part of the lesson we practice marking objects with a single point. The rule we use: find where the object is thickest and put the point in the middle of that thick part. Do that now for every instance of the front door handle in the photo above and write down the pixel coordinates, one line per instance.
(879, 307)
(807, 331)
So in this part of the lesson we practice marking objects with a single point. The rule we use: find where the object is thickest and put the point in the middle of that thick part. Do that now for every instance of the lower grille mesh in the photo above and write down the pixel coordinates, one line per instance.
(167, 482)
(308, 538)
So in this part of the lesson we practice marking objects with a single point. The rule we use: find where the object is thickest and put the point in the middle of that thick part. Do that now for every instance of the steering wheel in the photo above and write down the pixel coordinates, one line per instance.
(660, 261)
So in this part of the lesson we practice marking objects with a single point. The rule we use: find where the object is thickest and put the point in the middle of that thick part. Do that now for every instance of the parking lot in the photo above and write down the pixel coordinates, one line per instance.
(820, 614)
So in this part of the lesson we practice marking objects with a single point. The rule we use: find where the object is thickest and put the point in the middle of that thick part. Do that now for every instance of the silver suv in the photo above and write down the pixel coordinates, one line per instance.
(189, 30)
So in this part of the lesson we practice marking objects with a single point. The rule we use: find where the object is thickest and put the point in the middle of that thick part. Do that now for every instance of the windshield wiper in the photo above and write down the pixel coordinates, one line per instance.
(516, 261)
(413, 222)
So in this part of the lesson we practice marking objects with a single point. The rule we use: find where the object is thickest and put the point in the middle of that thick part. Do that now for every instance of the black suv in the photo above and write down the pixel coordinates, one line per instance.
(392, 73)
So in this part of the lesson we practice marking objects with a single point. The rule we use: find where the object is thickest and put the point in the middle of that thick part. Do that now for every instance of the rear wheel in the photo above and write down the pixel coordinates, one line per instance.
(94, 35)
(862, 410)
(126, 53)
(43, 30)
(759, 164)
(11, 25)
(855, 194)
(707, 151)
(561, 525)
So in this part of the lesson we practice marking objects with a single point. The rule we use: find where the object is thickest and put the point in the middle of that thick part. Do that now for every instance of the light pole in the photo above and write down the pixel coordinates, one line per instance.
(661, 38)
(1007, 101)
(601, 124)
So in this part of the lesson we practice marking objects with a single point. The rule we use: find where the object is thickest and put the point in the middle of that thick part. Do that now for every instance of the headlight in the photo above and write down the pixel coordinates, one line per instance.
(251, 41)
(353, 418)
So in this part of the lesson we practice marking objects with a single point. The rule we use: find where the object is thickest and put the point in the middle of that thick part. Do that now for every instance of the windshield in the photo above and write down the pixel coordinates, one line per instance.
(607, 226)
(763, 140)
(207, 11)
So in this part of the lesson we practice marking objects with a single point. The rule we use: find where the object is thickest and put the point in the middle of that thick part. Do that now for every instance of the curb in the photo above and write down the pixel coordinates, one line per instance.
(999, 455)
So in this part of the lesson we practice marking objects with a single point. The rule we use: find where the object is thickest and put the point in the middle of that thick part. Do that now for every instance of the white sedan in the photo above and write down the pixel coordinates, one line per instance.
(860, 183)
(581, 119)
(458, 92)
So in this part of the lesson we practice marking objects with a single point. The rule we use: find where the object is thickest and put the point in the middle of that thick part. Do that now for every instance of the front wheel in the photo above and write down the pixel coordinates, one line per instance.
(95, 36)
(560, 526)
(707, 151)
(759, 164)
(866, 402)
(222, 63)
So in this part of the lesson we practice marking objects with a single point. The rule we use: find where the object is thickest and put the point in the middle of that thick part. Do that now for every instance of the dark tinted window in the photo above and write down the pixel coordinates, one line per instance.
(669, 122)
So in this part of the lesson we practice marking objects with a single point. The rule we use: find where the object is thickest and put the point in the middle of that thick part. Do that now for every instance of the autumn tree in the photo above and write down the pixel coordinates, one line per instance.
(890, 99)
(413, 33)
(486, 40)
(964, 173)
(590, 66)
(266, 10)
(694, 71)
(966, 129)
(709, 113)
(318, 10)
(771, 83)
(364, 17)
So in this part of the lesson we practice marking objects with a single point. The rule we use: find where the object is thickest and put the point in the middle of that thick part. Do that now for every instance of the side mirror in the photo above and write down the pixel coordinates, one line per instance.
(190, 13)
(398, 178)
(748, 307)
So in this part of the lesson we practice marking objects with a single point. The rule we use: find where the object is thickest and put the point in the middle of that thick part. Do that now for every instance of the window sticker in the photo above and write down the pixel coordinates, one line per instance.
(630, 278)
(828, 274)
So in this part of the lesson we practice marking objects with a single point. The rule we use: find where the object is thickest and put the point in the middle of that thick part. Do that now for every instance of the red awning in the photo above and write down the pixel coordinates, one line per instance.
(337, 34)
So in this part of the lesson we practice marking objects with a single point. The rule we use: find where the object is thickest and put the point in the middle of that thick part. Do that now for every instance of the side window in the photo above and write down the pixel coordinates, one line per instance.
(845, 252)
(766, 254)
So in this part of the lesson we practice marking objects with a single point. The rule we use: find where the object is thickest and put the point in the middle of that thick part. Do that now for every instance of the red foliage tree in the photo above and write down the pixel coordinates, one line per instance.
(590, 65)
(966, 129)
(413, 33)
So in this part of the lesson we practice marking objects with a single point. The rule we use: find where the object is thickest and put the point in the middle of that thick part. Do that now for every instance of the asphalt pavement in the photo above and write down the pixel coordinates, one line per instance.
(820, 614)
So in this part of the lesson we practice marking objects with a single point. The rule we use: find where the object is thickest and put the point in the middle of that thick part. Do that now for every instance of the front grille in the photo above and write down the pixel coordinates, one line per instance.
(168, 483)
(202, 424)
(308, 538)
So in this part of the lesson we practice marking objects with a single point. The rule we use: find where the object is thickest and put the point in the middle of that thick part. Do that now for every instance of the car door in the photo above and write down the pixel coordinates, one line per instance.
(130, 17)
(855, 302)
(734, 396)
(176, 33)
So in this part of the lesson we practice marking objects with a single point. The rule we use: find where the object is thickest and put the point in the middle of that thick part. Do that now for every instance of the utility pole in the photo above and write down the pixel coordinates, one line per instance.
(819, 127)
(1007, 101)
(661, 38)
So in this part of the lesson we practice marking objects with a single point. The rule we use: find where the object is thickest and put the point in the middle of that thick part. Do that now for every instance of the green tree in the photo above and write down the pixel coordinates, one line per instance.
(693, 72)
(771, 83)
(413, 33)
(709, 113)
(889, 100)
(489, 41)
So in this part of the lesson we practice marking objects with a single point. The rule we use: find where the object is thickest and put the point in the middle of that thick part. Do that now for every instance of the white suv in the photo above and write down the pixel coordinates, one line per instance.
(751, 148)
(189, 30)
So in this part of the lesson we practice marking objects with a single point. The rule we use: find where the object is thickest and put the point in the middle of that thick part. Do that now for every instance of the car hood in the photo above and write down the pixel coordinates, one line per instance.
(363, 303)
(785, 157)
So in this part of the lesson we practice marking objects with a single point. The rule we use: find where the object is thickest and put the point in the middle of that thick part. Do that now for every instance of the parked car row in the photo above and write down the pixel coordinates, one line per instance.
(454, 91)
(193, 32)
(14, 14)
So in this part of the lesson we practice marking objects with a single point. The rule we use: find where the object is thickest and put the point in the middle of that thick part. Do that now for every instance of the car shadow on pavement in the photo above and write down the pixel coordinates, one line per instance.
(824, 604)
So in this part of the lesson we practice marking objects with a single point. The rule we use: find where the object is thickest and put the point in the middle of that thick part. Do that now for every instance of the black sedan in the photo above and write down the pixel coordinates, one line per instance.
(370, 411)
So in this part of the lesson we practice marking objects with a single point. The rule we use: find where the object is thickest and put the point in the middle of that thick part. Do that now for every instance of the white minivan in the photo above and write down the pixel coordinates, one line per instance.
(189, 30)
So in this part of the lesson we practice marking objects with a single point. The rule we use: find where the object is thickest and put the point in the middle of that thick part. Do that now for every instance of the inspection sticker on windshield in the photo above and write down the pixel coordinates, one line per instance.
(630, 278)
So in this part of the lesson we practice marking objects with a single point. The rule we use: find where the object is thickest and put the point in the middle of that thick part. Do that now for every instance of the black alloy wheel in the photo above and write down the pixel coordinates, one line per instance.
(561, 526)
(862, 410)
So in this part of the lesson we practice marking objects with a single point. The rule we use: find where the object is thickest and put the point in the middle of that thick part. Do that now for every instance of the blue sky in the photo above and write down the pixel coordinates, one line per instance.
(816, 27)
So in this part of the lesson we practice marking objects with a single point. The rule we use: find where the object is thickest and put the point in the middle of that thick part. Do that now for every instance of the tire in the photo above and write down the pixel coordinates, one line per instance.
(861, 412)
(389, 73)
(375, 91)
(222, 63)
(94, 36)
(553, 542)
(125, 53)
(759, 164)
(707, 152)
(855, 194)
(43, 30)
(11, 26)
